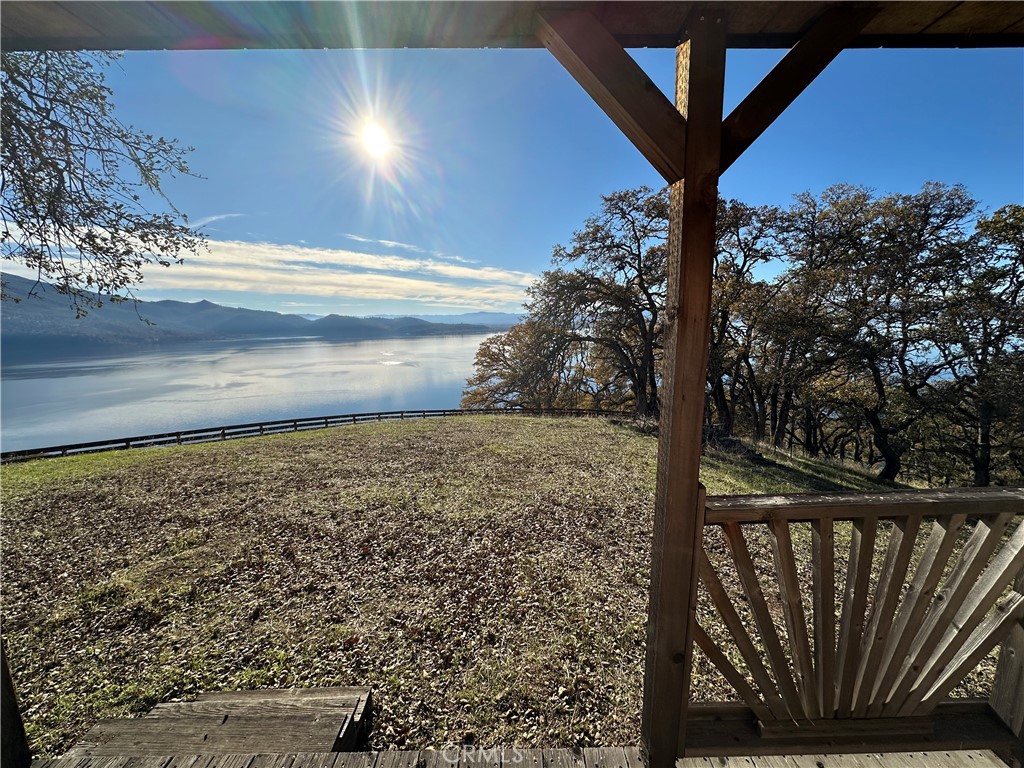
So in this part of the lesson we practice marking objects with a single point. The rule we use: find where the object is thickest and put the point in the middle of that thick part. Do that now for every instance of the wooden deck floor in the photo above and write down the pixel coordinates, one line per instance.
(323, 728)
(613, 757)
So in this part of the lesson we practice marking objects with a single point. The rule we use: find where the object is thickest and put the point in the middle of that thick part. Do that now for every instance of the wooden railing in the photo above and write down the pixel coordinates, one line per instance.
(252, 429)
(874, 644)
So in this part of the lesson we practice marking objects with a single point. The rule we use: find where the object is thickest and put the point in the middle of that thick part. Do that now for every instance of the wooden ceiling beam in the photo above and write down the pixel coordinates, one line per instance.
(834, 30)
(619, 86)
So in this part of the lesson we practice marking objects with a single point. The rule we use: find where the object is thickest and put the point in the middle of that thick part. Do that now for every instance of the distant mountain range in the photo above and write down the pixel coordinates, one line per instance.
(44, 325)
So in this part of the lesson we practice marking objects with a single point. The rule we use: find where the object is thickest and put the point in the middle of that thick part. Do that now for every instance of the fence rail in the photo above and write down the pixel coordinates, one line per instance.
(256, 428)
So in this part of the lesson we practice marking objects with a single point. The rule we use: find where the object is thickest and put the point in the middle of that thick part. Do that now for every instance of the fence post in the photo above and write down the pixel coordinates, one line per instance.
(14, 752)
(1007, 699)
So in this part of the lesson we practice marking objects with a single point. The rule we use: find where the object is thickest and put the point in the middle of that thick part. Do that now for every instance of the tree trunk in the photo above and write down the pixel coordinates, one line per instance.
(890, 456)
(782, 423)
(722, 406)
(982, 458)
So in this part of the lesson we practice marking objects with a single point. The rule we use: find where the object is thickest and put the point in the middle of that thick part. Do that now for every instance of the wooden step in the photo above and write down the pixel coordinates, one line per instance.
(317, 720)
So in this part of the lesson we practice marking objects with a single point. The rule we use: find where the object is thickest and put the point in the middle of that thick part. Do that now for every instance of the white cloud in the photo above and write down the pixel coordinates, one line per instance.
(268, 268)
(210, 219)
(386, 243)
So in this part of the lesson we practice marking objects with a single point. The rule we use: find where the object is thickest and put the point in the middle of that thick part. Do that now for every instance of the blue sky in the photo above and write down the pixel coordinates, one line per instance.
(500, 155)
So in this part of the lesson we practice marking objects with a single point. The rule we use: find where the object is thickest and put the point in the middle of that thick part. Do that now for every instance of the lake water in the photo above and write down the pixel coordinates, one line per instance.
(73, 401)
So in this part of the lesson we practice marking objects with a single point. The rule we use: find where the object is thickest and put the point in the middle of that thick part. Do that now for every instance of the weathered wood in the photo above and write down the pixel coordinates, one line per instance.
(732, 675)
(824, 731)
(451, 24)
(851, 624)
(831, 32)
(989, 634)
(793, 610)
(975, 601)
(394, 758)
(513, 757)
(479, 758)
(313, 706)
(312, 760)
(356, 760)
(915, 604)
(679, 506)
(208, 735)
(823, 586)
(890, 584)
(958, 726)
(262, 761)
(619, 86)
(614, 757)
(970, 563)
(604, 757)
(751, 656)
(763, 620)
(1007, 699)
(977, 502)
(14, 750)
(563, 758)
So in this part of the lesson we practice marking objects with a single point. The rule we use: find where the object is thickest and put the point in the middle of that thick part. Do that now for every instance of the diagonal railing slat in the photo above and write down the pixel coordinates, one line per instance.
(793, 610)
(947, 601)
(851, 624)
(977, 599)
(926, 596)
(763, 619)
(933, 561)
(733, 622)
(890, 585)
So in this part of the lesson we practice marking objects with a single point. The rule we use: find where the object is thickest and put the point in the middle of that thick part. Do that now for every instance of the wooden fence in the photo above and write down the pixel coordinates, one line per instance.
(253, 429)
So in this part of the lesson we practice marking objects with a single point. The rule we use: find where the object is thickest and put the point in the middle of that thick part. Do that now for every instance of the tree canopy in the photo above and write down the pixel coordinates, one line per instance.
(884, 329)
(77, 184)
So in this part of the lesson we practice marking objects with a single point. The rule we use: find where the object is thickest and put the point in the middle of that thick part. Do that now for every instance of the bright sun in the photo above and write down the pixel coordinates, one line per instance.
(375, 140)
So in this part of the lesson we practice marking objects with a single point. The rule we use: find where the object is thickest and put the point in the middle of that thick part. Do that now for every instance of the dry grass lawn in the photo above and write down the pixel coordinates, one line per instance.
(486, 575)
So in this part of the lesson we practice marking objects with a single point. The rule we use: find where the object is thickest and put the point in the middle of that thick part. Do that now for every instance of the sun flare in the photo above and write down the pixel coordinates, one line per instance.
(376, 141)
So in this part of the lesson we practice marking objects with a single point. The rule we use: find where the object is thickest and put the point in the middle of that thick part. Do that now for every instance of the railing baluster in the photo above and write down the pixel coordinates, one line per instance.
(851, 625)
(915, 603)
(971, 604)
(763, 619)
(972, 560)
(720, 597)
(731, 674)
(823, 576)
(890, 585)
(991, 632)
(793, 609)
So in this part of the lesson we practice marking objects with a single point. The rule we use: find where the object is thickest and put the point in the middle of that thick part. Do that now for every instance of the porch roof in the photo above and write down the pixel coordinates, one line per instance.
(198, 24)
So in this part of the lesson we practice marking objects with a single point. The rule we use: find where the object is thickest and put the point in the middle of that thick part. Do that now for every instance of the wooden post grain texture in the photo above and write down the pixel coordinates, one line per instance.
(1007, 697)
(14, 752)
(679, 509)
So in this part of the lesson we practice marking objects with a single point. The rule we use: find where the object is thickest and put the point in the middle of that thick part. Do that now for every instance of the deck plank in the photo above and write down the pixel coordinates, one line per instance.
(356, 760)
(514, 757)
(614, 757)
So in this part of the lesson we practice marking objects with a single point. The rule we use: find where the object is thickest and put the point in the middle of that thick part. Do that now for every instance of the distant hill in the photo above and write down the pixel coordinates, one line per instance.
(43, 325)
(500, 320)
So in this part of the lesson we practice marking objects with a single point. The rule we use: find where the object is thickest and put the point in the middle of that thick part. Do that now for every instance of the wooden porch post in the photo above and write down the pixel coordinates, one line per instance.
(679, 513)
(13, 744)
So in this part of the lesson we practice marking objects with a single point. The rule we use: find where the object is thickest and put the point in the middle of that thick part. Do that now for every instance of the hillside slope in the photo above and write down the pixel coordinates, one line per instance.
(486, 575)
